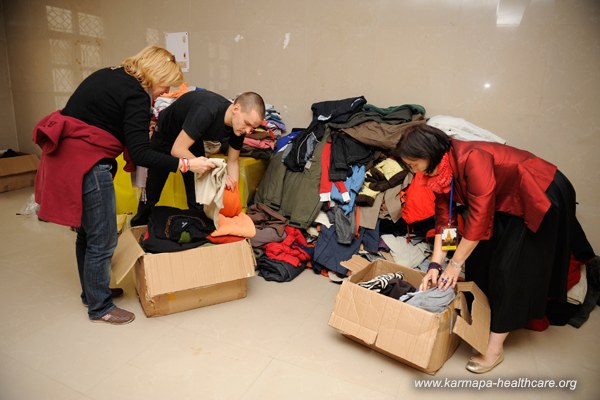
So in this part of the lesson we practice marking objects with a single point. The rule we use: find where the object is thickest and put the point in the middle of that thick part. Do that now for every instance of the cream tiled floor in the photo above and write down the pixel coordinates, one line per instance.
(274, 344)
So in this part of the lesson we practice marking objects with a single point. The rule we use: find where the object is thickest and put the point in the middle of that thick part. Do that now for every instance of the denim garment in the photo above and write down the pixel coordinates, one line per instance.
(97, 239)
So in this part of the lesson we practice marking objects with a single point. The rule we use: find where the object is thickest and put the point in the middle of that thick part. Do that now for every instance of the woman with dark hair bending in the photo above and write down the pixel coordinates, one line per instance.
(520, 227)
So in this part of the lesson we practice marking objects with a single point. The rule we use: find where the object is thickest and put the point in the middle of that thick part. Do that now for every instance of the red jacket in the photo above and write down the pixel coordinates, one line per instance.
(490, 177)
(70, 148)
(287, 250)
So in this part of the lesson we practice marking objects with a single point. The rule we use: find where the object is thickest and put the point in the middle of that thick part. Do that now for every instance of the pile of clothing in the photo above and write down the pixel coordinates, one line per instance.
(335, 182)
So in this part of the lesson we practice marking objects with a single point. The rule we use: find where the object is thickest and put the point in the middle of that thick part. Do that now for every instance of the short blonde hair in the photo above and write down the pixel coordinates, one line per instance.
(154, 66)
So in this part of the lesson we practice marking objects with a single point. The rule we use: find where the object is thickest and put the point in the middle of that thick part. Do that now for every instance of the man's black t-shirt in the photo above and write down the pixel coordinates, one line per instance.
(201, 114)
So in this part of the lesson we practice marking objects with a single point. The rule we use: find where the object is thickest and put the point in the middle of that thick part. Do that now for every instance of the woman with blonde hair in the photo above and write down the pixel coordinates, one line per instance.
(108, 114)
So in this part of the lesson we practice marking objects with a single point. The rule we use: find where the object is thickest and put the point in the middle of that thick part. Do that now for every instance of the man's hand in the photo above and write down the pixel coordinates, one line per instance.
(200, 165)
(230, 183)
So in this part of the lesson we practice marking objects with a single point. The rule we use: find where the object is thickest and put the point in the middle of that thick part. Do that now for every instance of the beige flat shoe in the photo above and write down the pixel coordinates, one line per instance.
(477, 368)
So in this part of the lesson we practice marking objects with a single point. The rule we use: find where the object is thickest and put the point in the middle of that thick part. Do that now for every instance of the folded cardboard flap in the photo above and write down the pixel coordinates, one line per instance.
(462, 308)
(355, 264)
(126, 254)
(474, 328)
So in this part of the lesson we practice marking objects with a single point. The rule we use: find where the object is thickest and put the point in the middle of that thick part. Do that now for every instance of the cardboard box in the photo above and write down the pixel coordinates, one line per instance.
(172, 282)
(18, 172)
(411, 335)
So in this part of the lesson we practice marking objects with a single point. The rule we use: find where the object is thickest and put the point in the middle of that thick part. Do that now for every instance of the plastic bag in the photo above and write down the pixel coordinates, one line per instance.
(30, 207)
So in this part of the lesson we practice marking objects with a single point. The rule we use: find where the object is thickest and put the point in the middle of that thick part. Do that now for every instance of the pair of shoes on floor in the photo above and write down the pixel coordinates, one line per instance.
(116, 316)
(115, 293)
(478, 368)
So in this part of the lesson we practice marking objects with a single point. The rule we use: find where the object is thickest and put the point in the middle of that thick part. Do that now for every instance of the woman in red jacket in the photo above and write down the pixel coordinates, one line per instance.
(520, 227)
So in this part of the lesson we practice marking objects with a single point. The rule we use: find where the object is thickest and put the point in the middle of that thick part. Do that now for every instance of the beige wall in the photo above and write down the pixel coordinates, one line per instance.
(8, 131)
(543, 70)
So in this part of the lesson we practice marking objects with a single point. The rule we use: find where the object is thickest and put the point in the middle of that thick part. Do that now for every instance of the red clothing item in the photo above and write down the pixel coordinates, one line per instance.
(70, 148)
(420, 201)
(574, 275)
(326, 184)
(286, 250)
(490, 177)
(224, 239)
(539, 325)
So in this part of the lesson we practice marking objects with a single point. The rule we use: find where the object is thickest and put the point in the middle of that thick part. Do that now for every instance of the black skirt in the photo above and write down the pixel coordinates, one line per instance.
(520, 270)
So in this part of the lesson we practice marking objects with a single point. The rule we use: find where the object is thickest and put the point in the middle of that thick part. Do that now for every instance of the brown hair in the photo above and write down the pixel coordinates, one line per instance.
(249, 101)
(154, 66)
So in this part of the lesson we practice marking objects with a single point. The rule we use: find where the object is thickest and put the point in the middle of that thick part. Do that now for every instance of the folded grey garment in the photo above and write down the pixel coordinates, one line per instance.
(266, 235)
(381, 281)
(433, 300)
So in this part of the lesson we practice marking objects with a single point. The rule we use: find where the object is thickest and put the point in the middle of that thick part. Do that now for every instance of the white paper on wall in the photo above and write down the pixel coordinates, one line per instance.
(177, 43)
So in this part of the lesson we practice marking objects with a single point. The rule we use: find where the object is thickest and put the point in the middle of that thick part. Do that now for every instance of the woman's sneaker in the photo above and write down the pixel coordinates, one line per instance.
(116, 316)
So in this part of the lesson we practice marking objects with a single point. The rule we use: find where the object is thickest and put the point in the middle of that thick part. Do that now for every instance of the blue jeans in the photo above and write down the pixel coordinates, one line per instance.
(97, 239)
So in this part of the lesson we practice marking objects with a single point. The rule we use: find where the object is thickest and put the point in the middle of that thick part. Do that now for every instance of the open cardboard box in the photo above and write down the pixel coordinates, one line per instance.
(172, 282)
(18, 172)
(414, 336)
